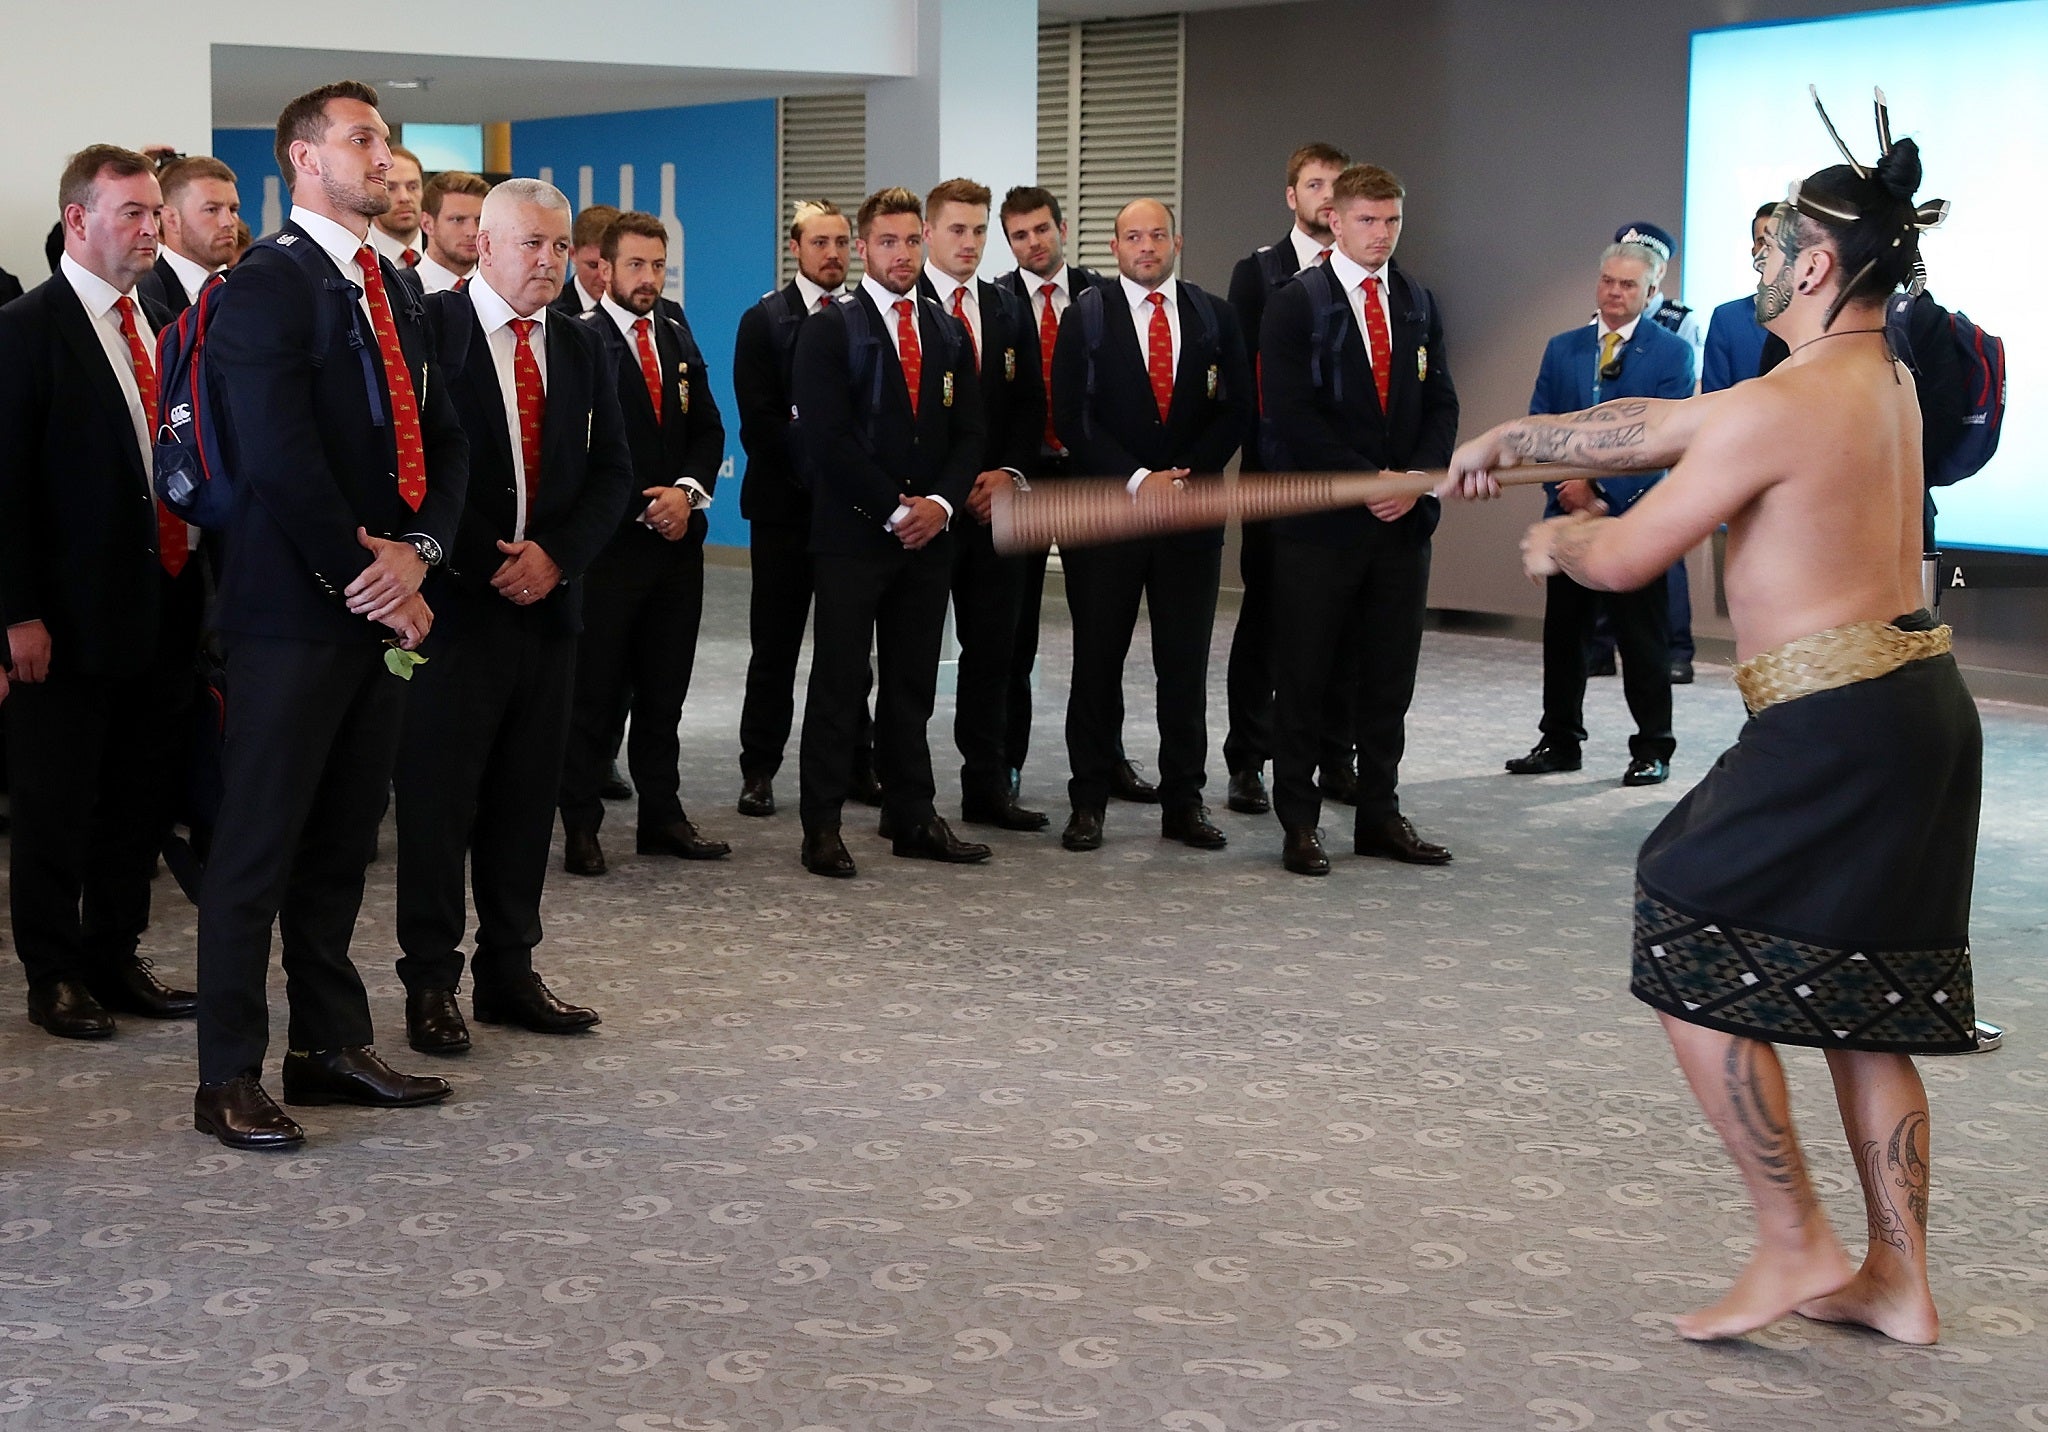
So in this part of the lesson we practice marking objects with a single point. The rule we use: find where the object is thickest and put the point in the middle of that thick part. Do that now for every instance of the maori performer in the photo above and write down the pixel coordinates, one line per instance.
(1814, 889)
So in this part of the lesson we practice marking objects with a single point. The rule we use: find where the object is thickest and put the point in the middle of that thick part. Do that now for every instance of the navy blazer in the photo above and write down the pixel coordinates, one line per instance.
(78, 549)
(1339, 426)
(1655, 363)
(687, 441)
(163, 286)
(772, 491)
(1735, 345)
(1117, 430)
(857, 466)
(1012, 382)
(1251, 285)
(585, 470)
(314, 461)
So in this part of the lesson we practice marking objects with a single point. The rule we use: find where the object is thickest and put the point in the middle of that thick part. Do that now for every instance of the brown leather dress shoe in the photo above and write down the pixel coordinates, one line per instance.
(1248, 793)
(355, 1076)
(67, 1009)
(1127, 785)
(1084, 830)
(527, 1002)
(680, 839)
(1304, 854)
(130, 986)
(581, 854)
(1395, 839)
(934, 840)
(825, 854)
(757, 796)
(242, 1116)
(433, 1022)
(1191, 826)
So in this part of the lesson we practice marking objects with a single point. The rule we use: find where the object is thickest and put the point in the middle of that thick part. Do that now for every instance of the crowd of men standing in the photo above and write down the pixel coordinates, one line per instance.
(473, 445)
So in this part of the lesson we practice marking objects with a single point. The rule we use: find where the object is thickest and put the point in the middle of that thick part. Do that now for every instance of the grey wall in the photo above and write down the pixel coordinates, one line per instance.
(1525, 131)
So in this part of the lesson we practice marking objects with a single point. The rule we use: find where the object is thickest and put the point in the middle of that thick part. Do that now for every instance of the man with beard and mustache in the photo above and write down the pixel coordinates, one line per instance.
(450, 206)
(1248, 745)
(395, 233)
(353, 474)
(643, 597)
(201, 210)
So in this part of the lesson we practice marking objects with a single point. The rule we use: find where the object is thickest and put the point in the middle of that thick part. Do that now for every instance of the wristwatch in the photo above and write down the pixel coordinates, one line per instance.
(429, 550)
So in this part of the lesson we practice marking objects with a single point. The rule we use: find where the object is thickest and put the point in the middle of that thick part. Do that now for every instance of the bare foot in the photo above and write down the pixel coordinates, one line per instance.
(1902, 1314)
(1773, 1285)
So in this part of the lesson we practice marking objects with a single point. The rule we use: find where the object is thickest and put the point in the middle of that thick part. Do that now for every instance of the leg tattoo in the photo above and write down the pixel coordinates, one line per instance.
(1908, 1165)
(1885, 1224)
(1768, 1140)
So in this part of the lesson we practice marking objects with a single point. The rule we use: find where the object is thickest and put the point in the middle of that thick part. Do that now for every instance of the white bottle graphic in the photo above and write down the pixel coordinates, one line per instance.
(625, 186)
(547, 174)
(673, 281)
(273, 204)
(584, 186)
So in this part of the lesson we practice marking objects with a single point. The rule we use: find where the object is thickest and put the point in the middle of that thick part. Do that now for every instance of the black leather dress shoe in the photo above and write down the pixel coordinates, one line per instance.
(757, 796)
(433, 1022)
(615, 787)
(1303, 853)
(1646, 771)
(131, 987)
(581, 854)
(1681, 673)
(1084, 831)
(1127, 785)
(1191, 826)
(825, 854)
(680, 839)
(1248, 793)
(1339, 784)
(525, 1000)
(355, 1076)
(934, 840)
(67, 1009)
(1545, 757)
(242, 1116)
(865, 787)
(1395, 839)
(1000, 808)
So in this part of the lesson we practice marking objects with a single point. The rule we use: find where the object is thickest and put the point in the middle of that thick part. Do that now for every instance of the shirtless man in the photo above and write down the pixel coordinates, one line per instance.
(1814, 889)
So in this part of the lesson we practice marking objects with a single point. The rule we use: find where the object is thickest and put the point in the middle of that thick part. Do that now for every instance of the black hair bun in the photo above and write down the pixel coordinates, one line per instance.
(1898, 169)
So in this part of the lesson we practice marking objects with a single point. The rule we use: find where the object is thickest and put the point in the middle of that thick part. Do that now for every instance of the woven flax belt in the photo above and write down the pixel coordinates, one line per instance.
(1840, 656)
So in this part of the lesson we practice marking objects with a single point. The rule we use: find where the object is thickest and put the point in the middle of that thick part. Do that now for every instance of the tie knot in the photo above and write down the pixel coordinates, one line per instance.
(524, 327)
(1370, 283)
(1047, 290)
(902, 307)
(366, 259)
(1157, 300)
(1325, 254)
(642, 325)
(126, 307)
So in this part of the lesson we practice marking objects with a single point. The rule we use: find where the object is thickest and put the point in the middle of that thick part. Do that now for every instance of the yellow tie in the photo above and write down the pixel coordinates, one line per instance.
(1608, 343)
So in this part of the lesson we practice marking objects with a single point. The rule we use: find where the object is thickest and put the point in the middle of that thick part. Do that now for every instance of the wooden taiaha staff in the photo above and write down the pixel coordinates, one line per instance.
(1086, 512)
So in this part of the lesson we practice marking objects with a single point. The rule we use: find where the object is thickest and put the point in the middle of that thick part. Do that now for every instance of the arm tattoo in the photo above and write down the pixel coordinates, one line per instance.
(1608, 413)
(1596, 437)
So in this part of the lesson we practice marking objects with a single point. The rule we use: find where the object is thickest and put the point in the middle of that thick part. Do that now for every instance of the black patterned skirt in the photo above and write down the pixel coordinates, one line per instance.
(1815, 888)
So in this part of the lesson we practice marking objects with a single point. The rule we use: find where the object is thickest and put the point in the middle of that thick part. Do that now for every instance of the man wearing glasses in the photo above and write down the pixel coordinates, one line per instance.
(1616, 357)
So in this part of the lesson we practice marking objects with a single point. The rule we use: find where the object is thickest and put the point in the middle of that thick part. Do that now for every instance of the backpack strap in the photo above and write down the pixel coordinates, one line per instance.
(1272, 260)
(1088, 304)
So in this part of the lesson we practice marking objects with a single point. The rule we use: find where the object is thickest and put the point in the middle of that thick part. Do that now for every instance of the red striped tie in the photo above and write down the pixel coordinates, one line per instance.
(405, 409)
(908, 351)
(173, 548)
(1159, 354)
(650, 369)
(531, 397)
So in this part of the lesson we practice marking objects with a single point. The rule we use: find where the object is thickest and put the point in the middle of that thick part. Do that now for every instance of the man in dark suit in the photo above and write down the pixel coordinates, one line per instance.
(201, 209)
(1149, 384)
(644, 596)
(102, 607)
(10, 288)
(777, 505)
(889, 431)
(481, 761)
(1353, 377)
(352, 466)
(988, 587)
(1623, 353)
(1311, 170)
(395, 233)
(1043, 278)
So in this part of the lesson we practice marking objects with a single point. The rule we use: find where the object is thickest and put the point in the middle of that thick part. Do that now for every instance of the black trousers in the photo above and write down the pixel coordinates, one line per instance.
(93, 765)
(778, 607)
(1365, 601)
(1644, 642)
(1104, 584)
(479, 766)
(988, 601)
(1249, 680)
(1024, 657)
(893, 603)
(312, 734)
(643, 600)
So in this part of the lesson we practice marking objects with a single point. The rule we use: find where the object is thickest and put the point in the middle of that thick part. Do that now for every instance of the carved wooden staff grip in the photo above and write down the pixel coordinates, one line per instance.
(1086, 512)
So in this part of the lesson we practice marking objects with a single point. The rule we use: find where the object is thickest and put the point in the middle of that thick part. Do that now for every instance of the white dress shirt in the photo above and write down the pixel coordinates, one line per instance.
(812, 293)
(192, 277)
(1308, 250)
(99, 298)
(1061, 298)
(1140, 299)
(625, 318)
(393, 248)
(583, 299)
(338, 244)
(1353, 276)
(944, 284)
(495, 317)
(436, 279)
(886, 302)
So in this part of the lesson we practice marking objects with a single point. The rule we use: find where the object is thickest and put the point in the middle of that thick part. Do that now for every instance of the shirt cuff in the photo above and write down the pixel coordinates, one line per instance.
(1018, 480)
(1137, 480)
(699, 498)
(903, 510)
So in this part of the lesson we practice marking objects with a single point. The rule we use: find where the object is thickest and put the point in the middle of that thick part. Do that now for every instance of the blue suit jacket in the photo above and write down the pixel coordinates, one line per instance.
(1735, 346)
(1655, 363)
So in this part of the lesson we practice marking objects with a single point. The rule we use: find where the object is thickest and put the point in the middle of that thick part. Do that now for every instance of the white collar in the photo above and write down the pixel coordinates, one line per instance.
(98, 296)
(812, 292)
(1135, 294)
(884, 300)
(1061, 280)
(944, 283)
(393, 247)
(1350, 274)
(337, 242)
(192, 276)
(625, 317)
(427, 260)
(1306, 249)
(1627, 330)
(493, 312)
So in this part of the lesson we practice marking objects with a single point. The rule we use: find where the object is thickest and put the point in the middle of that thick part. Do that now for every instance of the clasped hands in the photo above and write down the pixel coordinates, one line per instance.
(388, 590)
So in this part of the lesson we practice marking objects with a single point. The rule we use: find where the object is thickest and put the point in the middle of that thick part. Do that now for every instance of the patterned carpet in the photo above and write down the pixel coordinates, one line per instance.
(1143, 1139)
